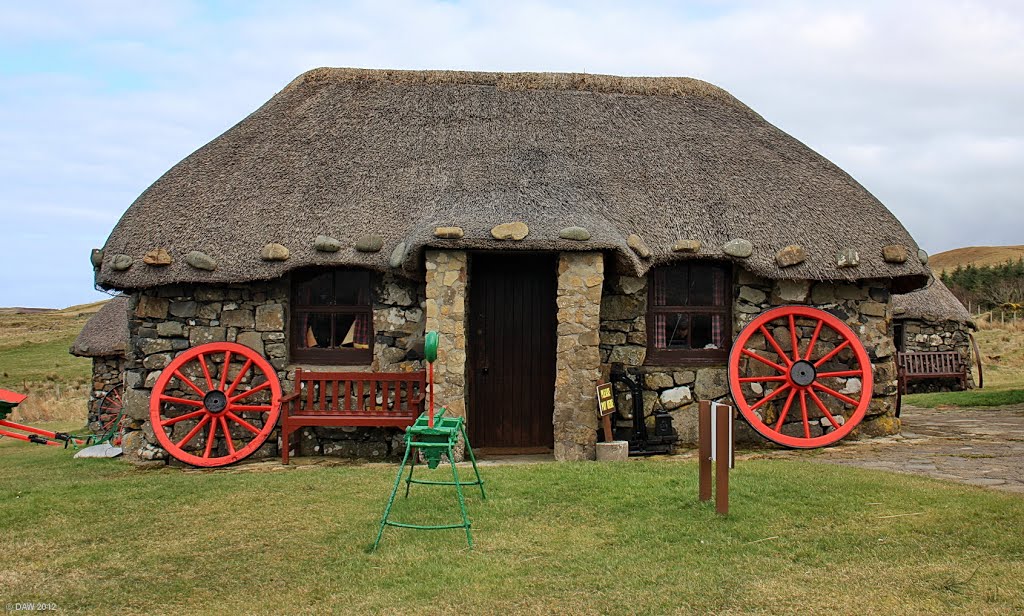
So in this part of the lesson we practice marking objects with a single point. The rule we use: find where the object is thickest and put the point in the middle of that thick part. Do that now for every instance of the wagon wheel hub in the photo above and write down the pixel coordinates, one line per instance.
(215, 401)
(802, 373)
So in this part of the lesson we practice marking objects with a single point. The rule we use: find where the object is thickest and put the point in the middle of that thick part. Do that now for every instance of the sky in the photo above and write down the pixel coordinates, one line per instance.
(921, 102)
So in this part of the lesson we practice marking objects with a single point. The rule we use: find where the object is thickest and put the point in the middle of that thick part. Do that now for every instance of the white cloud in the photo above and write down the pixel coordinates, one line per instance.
(917, 100)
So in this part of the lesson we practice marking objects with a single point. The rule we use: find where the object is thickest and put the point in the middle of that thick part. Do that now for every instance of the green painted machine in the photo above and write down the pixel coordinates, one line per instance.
(435, 437)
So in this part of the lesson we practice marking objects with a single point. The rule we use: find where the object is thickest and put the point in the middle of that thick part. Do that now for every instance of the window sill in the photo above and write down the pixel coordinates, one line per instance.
(677, 359)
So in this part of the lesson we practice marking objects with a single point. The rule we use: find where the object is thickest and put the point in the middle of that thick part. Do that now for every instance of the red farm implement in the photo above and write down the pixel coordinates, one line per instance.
(9, 400)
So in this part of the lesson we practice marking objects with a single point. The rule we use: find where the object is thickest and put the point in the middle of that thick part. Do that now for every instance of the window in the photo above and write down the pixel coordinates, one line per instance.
(332, 317)
(688, 314)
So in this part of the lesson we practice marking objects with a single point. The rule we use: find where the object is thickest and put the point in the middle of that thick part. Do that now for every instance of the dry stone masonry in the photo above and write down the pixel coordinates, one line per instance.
(447, 273)
(578, 359)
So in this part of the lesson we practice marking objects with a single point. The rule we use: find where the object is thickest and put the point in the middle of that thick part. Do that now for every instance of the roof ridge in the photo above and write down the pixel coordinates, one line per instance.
(518, 81)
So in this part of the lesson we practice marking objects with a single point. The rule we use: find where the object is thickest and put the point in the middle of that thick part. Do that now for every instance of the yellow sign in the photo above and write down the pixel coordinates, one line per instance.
(605, 399)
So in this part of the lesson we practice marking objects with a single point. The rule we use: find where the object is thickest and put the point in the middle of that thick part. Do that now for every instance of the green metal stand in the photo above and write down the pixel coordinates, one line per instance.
(433, 442)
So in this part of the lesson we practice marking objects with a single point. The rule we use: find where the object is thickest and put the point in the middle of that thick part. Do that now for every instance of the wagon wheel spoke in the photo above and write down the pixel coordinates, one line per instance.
(246, 394)
(256, 408)
(814, 340)
(770, 396)
(828, 375)
(184, 379)
(803, 412)
(785, 409)
(792, 336)
(238, 377)
(185, 417)
(824, 409)
(185, 401)
(224, 370)
(210, 437)
(227, 435)
(188, 437)
(245, 424)
(762, 379)
(775, 345)
(206, 371)
(832, 353)
(216, 411)
(763, 360)
(836, 394)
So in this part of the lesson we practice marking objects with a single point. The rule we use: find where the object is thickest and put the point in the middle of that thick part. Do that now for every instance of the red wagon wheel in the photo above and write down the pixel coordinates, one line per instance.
(204, 412)
(800, 395)
(109, 415)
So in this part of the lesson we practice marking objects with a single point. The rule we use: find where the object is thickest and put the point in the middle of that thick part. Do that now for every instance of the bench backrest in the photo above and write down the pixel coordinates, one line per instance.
(354, 392)
(923, 363)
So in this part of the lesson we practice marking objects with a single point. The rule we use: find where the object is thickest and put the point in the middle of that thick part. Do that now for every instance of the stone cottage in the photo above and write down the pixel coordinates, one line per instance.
(933, 319)
(547, 225)
(104, 338)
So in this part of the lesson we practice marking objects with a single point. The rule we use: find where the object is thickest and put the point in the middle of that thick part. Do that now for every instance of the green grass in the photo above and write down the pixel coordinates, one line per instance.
(42, 362)
(990, 396)
(99, 536)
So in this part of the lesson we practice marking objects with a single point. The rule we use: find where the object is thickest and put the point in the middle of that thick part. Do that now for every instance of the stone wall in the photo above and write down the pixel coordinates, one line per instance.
(921, 336)
(107, 373)
(167, 320)
(578, 360)
(866, 308)
(446, 293)
(447, 275)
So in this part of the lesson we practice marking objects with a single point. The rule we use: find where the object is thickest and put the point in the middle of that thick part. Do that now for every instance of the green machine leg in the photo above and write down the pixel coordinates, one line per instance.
(441, 440)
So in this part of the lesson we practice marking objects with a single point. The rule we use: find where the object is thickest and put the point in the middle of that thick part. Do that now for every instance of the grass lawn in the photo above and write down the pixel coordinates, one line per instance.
(572, 538)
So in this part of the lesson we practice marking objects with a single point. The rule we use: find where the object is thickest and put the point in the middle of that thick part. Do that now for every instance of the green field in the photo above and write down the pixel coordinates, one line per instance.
(98, 536)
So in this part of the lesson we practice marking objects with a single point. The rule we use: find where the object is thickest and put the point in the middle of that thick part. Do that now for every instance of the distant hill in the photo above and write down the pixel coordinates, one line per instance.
(979, 256)
(70, 310)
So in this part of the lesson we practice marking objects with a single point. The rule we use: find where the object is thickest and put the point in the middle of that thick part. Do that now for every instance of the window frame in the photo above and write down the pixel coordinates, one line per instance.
(691, 357)
(341, 356)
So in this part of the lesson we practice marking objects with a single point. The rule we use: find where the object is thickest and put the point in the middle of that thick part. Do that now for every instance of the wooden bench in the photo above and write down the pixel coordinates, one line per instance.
(922, 365)
(360, 399)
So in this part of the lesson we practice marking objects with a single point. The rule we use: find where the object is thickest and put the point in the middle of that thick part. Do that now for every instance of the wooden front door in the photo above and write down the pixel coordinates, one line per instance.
(512, 344)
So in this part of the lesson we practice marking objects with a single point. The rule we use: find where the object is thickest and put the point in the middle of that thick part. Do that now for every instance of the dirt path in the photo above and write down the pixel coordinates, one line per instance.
(982, 447)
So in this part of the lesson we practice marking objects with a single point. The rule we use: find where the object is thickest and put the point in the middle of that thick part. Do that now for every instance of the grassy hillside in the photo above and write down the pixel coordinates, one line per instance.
(978, 256)
(34, 359)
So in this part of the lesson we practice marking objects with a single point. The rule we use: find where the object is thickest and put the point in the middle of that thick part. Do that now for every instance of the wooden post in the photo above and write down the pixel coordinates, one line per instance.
(723, 446)
(704, 450)
(714, 424)
(606, 423)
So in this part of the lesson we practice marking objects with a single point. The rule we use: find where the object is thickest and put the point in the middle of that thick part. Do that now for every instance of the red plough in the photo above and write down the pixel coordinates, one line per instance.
(9, 400)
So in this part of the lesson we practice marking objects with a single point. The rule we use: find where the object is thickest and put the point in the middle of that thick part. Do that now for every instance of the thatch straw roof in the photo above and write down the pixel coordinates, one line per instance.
(106, 332)
(934, 303)
(346, 152)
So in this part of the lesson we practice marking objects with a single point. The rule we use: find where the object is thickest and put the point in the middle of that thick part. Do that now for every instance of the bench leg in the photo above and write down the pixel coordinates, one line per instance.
(285, 432)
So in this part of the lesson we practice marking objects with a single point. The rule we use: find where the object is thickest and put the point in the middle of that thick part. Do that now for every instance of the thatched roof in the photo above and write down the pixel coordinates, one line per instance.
(106, 332)
(934, 303)
(346, 152)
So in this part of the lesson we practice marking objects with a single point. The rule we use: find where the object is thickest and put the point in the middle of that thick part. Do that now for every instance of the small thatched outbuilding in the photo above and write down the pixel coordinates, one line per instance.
(104, 338)
(546, 224)
(933, 319)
